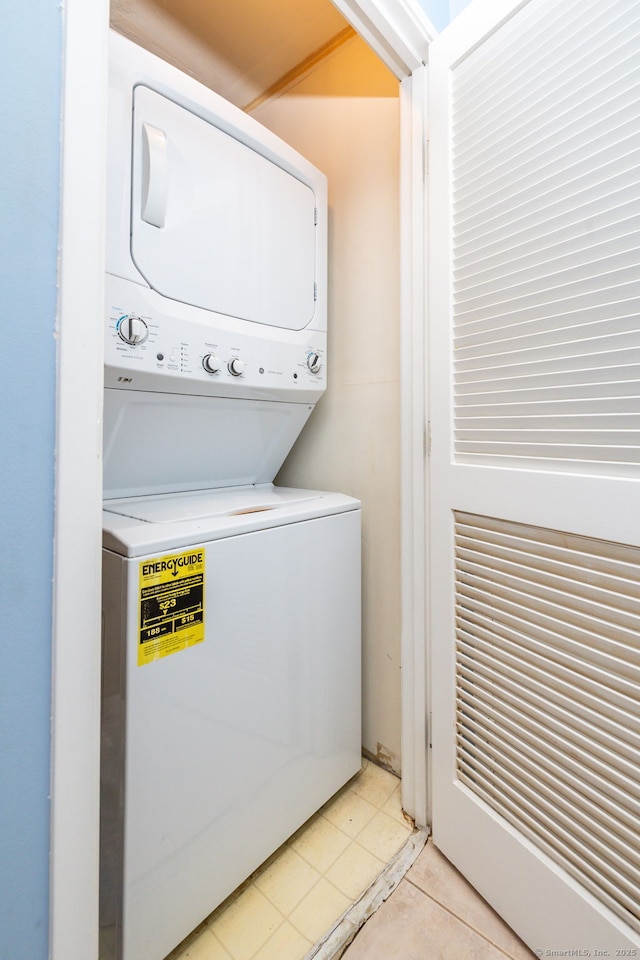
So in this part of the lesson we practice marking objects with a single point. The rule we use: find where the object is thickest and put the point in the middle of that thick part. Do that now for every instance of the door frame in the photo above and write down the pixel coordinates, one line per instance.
(400, 34)
(414, 440)
(75, 722)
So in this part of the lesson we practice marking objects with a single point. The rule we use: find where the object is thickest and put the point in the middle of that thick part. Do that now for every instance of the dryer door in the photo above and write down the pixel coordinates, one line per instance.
(214, 223)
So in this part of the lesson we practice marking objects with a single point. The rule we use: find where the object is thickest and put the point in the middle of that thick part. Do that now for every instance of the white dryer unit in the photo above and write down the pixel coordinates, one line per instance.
(231, 608)
(216, 286)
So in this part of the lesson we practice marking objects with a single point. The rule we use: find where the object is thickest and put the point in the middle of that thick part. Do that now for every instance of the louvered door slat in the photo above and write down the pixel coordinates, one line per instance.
(571, 214)
(531, 723)
(583, 767)
(509, 754)
(540, 669)
(532, 677)
(552, 270)
(483, 79)
(558, 131)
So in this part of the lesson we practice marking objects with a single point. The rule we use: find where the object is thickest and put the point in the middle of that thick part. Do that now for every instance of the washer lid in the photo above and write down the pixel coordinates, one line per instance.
(157, 443)
(204, 504)
(144, 525)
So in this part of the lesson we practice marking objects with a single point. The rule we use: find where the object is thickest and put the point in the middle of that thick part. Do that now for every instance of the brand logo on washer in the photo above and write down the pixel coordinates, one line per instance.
(172, 566)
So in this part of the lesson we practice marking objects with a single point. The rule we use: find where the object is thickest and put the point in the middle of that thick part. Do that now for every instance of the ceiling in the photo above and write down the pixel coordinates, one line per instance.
(240, 48)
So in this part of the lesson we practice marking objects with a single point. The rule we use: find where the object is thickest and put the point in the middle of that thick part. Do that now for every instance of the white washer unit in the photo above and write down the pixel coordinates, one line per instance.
(231, 608)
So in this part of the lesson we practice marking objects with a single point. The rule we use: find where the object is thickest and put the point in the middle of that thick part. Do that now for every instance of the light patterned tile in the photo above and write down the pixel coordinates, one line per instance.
(246, 924)
(393, 807)
(321, 844)
(350, 813)
(285, 944)
(384, 836)
(411, 926)
(354, 870)
(287, 880)
(375, 785)
(434, 875)
(319, 910)
(201, 945)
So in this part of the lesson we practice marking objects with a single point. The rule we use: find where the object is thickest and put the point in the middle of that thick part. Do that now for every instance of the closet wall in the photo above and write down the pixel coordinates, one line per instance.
(344, 118)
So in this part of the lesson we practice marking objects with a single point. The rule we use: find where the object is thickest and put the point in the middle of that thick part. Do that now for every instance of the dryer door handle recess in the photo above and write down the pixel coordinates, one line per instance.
(155, 175)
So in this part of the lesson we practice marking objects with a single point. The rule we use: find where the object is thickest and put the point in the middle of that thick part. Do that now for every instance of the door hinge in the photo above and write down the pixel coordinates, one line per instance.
(426, 157)
(315, 292)
(315, 216)
(427, 439)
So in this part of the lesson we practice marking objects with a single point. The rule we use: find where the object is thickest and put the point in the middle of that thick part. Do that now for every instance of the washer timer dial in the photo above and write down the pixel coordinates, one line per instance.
(313, 362)
(132, 330)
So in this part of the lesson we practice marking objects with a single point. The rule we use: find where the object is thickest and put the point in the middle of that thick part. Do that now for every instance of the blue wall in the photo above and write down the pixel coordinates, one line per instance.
(30, 70)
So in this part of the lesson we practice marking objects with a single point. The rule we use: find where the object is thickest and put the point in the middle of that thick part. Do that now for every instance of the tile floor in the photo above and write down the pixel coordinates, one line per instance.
(434, 914)
(296, 897)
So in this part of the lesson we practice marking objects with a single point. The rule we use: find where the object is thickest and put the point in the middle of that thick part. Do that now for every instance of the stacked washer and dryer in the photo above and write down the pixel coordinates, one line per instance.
(231, 610)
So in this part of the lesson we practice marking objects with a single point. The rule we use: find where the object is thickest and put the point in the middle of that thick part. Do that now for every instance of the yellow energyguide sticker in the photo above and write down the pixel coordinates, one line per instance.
(171, 604)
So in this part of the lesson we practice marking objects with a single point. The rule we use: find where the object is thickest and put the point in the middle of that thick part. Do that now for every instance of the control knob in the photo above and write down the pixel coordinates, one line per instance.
(313, 362)
(132, 330)
(211, 363)
(236, 366)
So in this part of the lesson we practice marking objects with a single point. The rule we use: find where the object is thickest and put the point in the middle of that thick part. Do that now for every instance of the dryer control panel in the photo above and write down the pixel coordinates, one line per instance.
(192, 351)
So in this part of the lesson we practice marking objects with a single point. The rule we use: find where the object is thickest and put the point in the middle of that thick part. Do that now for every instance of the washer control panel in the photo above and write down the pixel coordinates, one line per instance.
(198, 353)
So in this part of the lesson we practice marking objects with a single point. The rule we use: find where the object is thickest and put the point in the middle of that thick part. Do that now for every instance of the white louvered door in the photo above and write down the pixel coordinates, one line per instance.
(534, 344)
